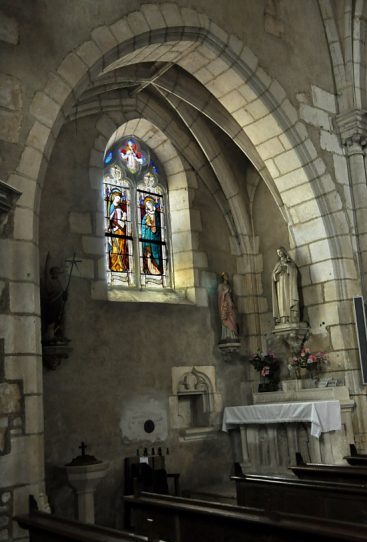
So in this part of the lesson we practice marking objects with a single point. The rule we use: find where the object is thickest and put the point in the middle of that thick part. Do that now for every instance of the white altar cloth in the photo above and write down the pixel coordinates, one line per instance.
(324, 416)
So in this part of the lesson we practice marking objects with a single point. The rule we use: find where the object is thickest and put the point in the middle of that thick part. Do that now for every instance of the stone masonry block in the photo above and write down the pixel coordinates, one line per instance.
(30, 163)
(313, 295)
(10, 398)
(28, 189)
(57, 89)
(173, 166)
(186, 278)
(185, 240)
(89, 53)
(190, 17)
(200, 259)
(342, 336)
(289, 161)
(264, 129)
(22, 331)
(96, 177)
(171, 14)
(305, 211)
(9, 29)
(100, 143)
(310, 231)
(177, 181)
(24, 224)
(208, 280)
(320, 250)
(178, 200)
(14, 252)
(153, 16)
(138, 23)
(315, 116)
(72, 69)
(106, 126)
(183, 260)
(258, 109)
(199, 296)
(104, 38)
(25, 368)
(330, 142)
(44, 109)
(25, 464)
(39, 136)
(96, 159)
(341, 169)
(335, 290)
(24, 297)
(322, 272)
(290, 111)
(250, 60)
(33, 414)
(121, 30)
(293, 179)
(325, 314)
(299, 194)
(323, 99)
(234, 101)
(271, 148)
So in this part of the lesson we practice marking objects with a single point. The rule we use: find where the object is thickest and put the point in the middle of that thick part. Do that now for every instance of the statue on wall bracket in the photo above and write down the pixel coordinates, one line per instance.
(54, 295)
(229, 342)
(286, 302)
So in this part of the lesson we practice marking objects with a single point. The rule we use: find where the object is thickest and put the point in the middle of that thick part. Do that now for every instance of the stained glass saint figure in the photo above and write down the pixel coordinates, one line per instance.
(151, 236)
(119, 258)
(132, 156)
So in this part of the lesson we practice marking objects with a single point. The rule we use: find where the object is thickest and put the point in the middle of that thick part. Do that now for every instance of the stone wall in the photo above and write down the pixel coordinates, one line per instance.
(245, 70)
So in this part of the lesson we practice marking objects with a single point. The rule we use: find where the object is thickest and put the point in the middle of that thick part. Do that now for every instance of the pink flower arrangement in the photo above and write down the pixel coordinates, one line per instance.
(310, 361)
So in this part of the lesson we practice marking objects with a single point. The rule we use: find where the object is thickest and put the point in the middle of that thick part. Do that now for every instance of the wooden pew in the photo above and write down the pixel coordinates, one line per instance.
(185, 520)
(318, 498)
(356, 474)
(355, 458)
(44, 527)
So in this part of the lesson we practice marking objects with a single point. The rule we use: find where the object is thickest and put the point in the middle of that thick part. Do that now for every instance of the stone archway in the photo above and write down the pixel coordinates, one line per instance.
(267, 127)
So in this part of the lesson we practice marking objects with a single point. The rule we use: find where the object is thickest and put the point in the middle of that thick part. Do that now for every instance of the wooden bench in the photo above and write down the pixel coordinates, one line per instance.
(184, 520)
(44, 527)
(354, 473)
(318, 498)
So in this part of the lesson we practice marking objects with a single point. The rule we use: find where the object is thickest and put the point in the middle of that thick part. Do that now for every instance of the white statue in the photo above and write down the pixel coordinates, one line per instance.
(285, 289)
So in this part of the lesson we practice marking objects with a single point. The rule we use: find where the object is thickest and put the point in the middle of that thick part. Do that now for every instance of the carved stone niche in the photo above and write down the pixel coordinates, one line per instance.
(195, 406)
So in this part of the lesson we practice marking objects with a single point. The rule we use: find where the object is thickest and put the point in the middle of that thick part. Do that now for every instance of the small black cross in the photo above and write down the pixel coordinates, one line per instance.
(83, 447)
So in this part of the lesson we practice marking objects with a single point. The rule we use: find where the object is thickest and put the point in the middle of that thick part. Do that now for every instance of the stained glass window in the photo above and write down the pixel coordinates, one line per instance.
(136, 228)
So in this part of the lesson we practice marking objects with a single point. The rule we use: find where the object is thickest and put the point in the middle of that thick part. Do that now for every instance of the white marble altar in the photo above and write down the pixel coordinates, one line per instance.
(271, 447)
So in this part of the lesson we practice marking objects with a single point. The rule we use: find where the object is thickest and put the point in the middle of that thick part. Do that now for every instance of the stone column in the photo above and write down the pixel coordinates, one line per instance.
(353, 132)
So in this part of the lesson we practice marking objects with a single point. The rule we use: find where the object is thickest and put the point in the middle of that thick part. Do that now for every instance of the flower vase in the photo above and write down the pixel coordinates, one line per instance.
(302, 372)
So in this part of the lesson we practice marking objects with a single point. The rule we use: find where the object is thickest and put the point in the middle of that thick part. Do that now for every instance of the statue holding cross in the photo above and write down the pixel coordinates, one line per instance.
(54, 297)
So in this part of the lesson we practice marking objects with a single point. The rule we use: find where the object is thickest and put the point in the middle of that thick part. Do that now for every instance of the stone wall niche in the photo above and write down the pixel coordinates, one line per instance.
(195, 405)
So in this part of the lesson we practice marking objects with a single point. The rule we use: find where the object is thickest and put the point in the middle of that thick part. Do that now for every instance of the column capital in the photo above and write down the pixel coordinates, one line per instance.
(352, 128)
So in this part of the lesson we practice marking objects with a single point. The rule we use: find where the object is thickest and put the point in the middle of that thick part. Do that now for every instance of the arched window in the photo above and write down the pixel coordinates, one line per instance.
(135, 210)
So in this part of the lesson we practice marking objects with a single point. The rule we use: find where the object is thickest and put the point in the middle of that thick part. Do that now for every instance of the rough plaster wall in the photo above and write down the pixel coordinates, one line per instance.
(123, 352)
